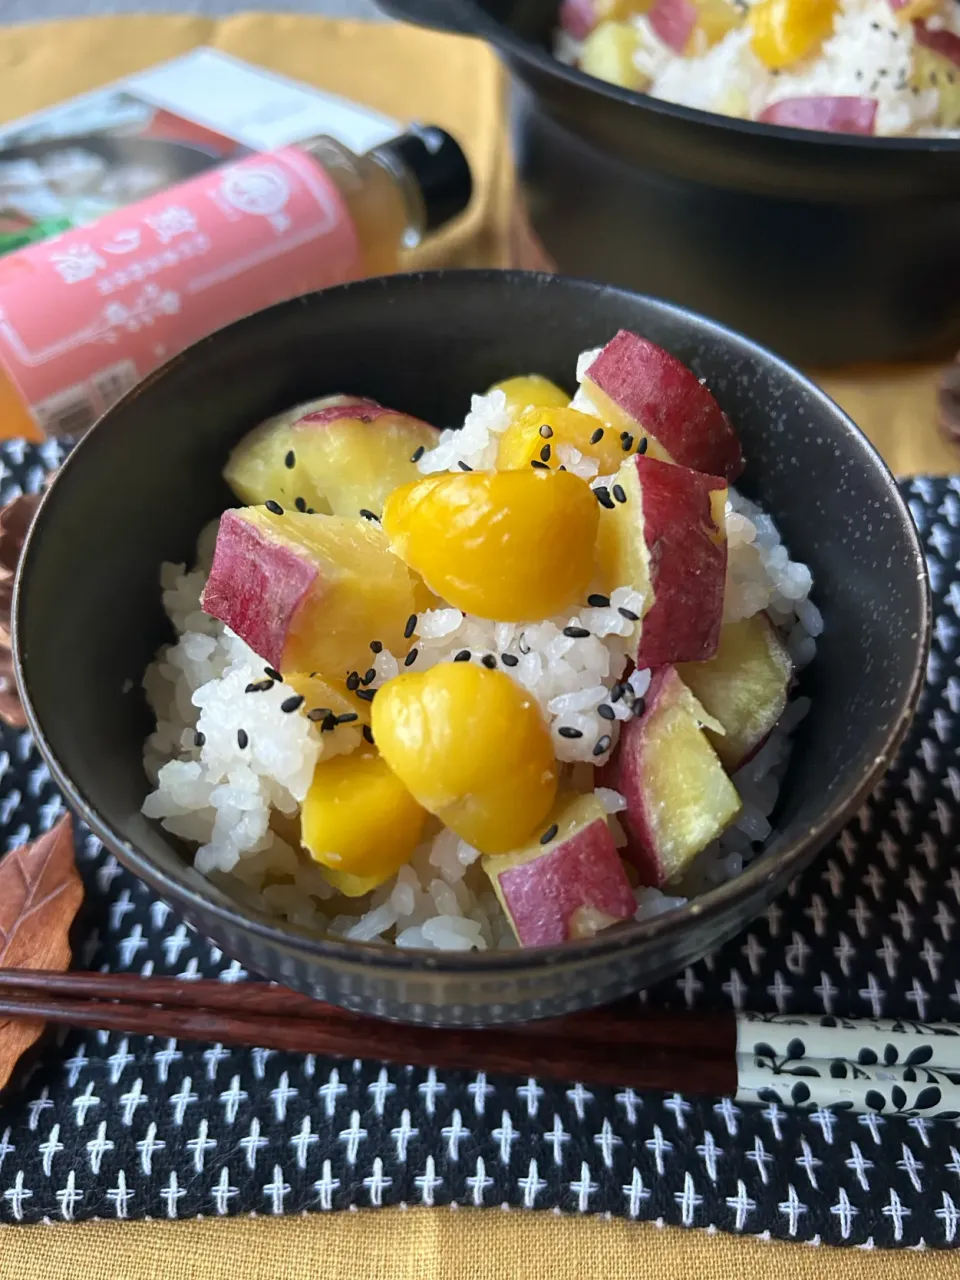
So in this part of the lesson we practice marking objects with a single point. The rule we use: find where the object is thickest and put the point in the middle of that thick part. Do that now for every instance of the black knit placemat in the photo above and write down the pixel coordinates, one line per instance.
(125, 1126)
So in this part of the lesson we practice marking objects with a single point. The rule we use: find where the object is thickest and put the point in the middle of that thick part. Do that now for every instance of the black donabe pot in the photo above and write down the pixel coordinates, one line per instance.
(827, 248)
(140, 487)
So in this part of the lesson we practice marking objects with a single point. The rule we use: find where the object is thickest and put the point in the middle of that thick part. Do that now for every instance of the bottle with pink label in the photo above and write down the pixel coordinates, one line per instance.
(85, 316)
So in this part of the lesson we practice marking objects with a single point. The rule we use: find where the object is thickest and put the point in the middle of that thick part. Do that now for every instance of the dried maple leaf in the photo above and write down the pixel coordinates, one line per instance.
(40, 893)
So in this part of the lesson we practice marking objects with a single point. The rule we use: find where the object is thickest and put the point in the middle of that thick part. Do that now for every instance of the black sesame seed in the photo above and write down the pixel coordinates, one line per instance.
(329, 723)
(290, 461)
(293, 703)
(368, 676)
(318, 713)
(603, 497)
(616, 692)
(597, 601)
(300, 504)
(367, 695)
(311, 511)
(274, 674)
(522, 643)
(626, 441)
(376, 646)
(568, 731)
(561, 467)
(541, 466)
(618, 493)
(628, 614)
(464, 466)
(576, 633)
(489, 661)
(549, 834)
(463, 656)
(368, 734)
(642, 446)
(411, 658)
(509, 659)
(603, 745)
(258, 686)
(639, 706)
(275, 507)
(597, 436)
(353, 681)
(418, 453)
(347, 718)
(242, 739)
(369, 515)
(607, 712)
(411, 626)
(545, 453)
(546, 431)
(199, 738)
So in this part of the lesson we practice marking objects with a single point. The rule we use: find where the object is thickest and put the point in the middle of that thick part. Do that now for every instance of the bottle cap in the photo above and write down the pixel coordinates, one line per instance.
(437, 164)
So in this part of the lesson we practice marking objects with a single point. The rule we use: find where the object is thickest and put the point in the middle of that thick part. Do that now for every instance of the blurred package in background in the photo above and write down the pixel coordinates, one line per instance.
(141, 217)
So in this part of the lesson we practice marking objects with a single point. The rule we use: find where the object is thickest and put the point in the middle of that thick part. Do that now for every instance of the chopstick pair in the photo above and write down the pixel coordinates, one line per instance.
(612, 1046)
(885, 1066)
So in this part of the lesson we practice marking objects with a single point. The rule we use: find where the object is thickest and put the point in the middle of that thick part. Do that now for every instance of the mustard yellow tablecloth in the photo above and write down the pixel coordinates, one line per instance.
(455, 83)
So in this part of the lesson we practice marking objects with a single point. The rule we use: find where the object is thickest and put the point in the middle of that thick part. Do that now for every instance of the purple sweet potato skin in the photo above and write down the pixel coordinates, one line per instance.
(624, 771)
(358, 410)
(256, 586)
(688, 564)
(667, 399)
(584, 870)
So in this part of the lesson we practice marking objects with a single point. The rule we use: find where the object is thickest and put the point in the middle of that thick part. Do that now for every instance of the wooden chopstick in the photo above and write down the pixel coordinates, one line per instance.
(600, 1047)
(625, 1022)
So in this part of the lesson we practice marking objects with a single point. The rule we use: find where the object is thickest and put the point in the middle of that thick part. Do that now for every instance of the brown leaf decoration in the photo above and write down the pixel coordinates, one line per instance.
(15, 520)
(948, 401)
(40, 893)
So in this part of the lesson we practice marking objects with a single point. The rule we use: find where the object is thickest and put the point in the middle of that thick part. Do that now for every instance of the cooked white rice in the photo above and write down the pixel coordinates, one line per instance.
(232, 802)
(870, 54)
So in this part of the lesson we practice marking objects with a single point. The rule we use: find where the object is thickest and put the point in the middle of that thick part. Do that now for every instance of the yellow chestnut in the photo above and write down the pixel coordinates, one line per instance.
(472, 747)
(515, 546)
(359, 820)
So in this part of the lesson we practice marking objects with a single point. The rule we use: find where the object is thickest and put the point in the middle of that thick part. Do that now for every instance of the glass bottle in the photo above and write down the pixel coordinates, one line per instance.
(86, 315)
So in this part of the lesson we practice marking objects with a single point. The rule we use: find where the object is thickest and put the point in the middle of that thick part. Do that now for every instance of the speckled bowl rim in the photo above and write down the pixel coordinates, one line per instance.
(776, 865)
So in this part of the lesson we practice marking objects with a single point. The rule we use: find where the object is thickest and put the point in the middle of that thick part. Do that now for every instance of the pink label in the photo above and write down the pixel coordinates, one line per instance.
(85, 316)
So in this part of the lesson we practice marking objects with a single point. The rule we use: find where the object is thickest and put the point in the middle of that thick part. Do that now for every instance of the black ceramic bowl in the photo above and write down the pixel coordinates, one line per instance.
(141, 485)
(829, 249)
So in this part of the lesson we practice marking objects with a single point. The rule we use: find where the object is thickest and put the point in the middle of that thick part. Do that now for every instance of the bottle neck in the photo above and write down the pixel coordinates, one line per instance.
(382, 197)
(409, 190)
